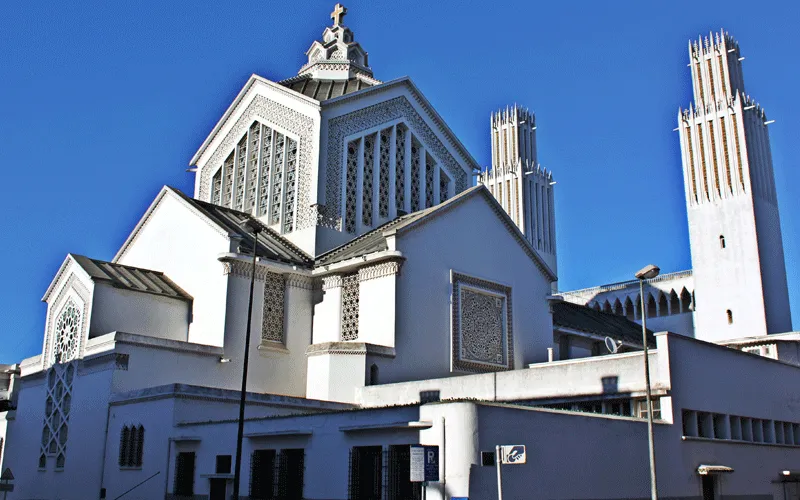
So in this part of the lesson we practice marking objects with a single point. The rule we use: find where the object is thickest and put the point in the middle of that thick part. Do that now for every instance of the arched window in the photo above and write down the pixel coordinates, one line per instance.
(131, 446)
(721, 241)
(618, 307)
(606, 307)
(663, 307)
(637, 307)
(373, 374)
(674, 303)
(651, 306)
(730, 316)
(629, 309)
(686, 301)
(596, 306)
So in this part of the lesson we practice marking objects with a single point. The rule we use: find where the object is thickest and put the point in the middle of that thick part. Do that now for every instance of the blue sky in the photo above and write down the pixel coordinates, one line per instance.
(102, 103)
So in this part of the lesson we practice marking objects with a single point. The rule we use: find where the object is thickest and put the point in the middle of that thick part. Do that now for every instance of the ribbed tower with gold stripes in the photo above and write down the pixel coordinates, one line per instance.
(519, 183)
(734, 224)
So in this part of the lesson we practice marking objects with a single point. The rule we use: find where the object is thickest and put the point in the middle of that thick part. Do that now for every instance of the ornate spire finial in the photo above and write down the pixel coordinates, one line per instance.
(338, 14)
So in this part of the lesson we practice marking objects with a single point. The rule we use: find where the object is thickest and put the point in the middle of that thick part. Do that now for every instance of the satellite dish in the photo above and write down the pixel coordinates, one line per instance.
(612, 345)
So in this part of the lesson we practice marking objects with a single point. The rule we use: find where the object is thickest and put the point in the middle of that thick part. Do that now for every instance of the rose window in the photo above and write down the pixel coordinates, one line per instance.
(66, 333)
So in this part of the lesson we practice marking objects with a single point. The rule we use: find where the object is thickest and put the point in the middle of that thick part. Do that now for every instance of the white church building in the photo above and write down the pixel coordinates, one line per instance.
(382, 317)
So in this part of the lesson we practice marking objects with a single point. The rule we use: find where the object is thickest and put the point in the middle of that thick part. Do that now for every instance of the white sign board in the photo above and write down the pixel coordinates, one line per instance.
(417, 464)
(513, 454)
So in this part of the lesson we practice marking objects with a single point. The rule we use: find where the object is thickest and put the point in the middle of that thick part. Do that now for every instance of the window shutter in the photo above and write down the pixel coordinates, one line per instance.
(140, 447)
(123, 446)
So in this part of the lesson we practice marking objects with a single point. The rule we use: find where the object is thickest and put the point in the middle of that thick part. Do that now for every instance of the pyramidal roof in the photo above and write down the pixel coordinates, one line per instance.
(337, 64)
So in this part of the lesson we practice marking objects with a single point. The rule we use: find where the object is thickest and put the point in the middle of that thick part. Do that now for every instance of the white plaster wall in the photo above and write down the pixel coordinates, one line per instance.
(376, 311)
(3, 435)
(488, 251)
(335, 377)
(327, 316)
(185, 247)
(114, 309)
(80, 478)
(726, 278)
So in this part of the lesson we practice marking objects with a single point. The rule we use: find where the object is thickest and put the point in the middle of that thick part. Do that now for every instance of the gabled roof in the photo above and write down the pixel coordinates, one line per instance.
(271, 245)
(588, 320)
(375, 240)
(130, 278)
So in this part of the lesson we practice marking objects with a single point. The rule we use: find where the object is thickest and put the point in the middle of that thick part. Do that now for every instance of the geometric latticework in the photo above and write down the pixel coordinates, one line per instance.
(400, 168)
(277, 179)
(369, 170)
(227, 189)
(444, 186)
(430, 165)
(351, 187)
(273, 308)
(482, 333)
(415, 166)
(241, 169)
(216, 188)
(131, 446)
(55, 429)
(383, 180)
(252, 167)
(266, 164)
(289, 188)
(350, 291)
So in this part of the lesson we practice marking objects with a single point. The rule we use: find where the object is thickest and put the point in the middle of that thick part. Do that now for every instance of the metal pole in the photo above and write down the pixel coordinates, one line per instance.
(240, 434)
(498, 460)
(650, 443)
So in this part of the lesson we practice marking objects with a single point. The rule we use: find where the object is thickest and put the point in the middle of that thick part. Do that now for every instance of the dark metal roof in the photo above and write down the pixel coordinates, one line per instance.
(131, 278)
(586, 319)
(322, 90)
(271, 245)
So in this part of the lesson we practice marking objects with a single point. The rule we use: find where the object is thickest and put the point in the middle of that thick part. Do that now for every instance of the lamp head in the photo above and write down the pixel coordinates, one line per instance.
(252, 226)
(648, 272)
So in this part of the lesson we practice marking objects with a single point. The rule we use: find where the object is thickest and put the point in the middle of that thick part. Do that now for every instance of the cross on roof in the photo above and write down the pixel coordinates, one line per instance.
(338, 14)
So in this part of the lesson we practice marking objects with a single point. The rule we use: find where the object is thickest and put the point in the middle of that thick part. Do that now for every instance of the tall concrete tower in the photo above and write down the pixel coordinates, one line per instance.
(734, 225)
(519, 183)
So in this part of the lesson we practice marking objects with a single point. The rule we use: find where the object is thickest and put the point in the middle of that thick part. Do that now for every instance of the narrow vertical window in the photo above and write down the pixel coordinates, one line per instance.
(400, 168)
(703, 159)
(289, 189)
(241, 169)
(730, 316)
(727, 158)
(738, 150)
(227, 174)
(415, 166)
(373, 374)
(350, 301)
(266, 166)
(252, 167)
(690, 148)
(721, 241)
(430, 165)
(383, 177)
(351, 187)
(369, 173)
(444, 186)
(216, 190)
(277, 179)
(714, 158)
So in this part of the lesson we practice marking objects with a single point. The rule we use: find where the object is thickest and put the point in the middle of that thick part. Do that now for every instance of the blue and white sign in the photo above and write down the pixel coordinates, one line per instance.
(424, 463)
(513, 454)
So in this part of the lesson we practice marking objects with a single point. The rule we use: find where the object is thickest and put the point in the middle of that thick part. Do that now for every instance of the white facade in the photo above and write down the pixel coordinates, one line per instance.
(381, 317)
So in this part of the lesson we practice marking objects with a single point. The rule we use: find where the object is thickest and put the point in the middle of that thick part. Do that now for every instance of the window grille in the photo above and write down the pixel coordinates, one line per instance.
(400, 167)
(277, 178)
(415, 166)
(369, 172)
(252, 166)
(227, 174)
(430, 165)
(714, 157)
(351, 184)
(350, 301)
(131, 446)
(184, 474)
(262, 474)
(704, 178)
(216, 191)
(291, 470)
(290, 188)
(366, 473)
(444, 187)
(57, 408)
(273, 308)
(398, 475)
(241, 169)
(266, 168)
(383, 178)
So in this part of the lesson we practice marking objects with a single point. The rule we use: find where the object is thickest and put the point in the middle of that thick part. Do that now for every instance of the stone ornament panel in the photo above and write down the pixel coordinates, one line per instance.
(277, 116)
(274, 308)
(73, 290)
(379, 270)
(58, 403)
(350, 300)
(330, 215)
(482, 336)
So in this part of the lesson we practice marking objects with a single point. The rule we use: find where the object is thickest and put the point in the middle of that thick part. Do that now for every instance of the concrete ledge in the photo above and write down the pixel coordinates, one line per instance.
(350, 348)
(394, 426)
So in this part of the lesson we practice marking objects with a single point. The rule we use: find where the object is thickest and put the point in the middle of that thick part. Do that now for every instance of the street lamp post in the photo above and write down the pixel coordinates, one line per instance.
(254, 227)
(647, 273)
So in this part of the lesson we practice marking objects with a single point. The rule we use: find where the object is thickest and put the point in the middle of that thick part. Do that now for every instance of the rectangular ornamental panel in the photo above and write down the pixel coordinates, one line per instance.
(482, 338)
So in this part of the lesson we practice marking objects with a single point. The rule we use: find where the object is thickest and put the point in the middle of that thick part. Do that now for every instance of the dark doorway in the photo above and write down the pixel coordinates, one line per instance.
(399, 484)
(366, 465)
(184, 474)
(290, 469)
(217, 489)
(709, 488)
(262, 474)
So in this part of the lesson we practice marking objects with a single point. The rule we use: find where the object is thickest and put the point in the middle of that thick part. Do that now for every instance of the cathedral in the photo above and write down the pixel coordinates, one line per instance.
(317, 201)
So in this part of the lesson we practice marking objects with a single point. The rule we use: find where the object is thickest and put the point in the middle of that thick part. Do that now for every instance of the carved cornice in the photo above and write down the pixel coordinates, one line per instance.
(299, 281)
(352, 348)
(329, 282)
(381, 270)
